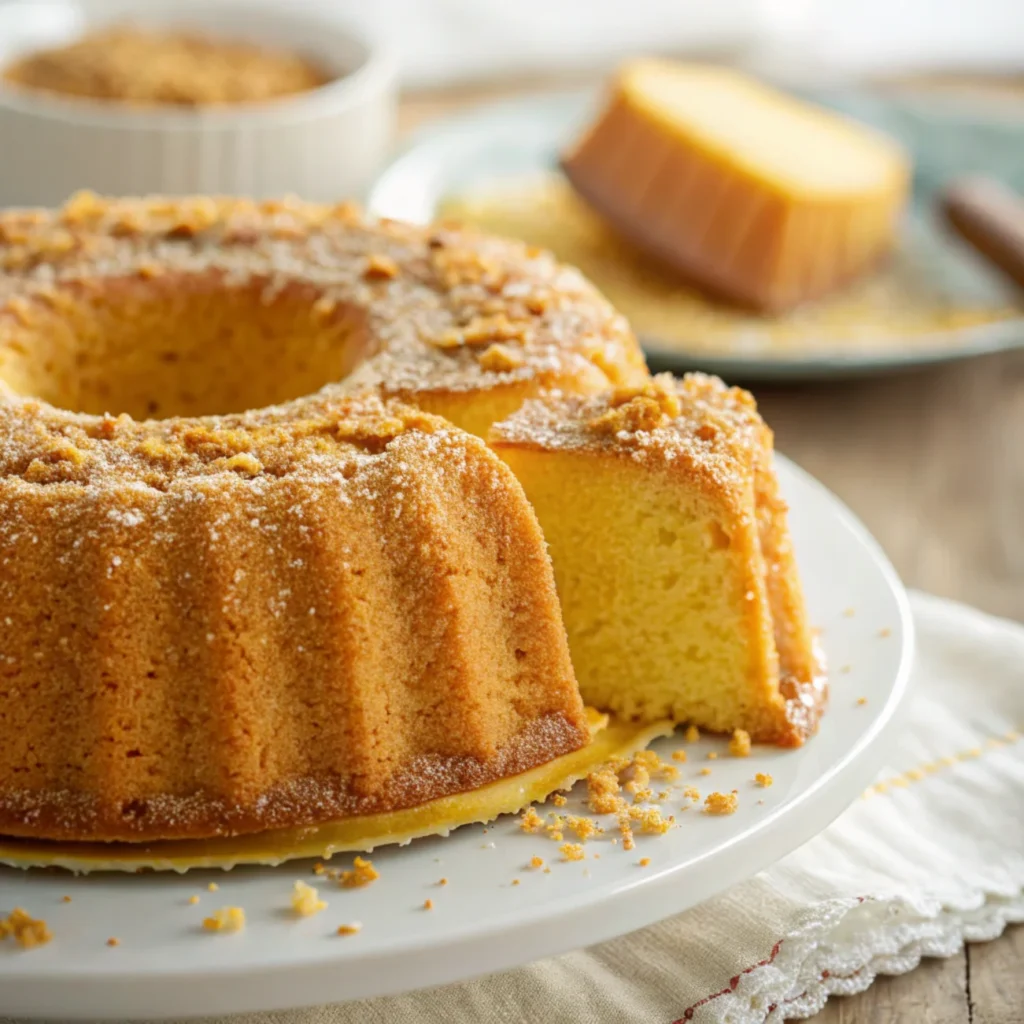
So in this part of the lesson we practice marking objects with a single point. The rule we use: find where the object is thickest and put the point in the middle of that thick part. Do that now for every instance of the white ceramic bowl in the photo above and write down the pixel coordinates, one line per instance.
(321, 145)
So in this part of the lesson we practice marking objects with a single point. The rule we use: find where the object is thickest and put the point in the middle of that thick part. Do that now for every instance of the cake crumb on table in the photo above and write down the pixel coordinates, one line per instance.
(862, 701)
(644, 861)
(113, 942)
(720, 803)
(763, 779)
(712, 755)
(572, 851)
(705, 771)
(428, 904)
(212, 887)
(692, 734)
(193, 900)
(515, 881)
(558, 800)
(443, 881)
(692, 793)
(350, 929)
(362, 873)
(678, 755)
(65, 899)
(739, 745)
(885, 632)
(536, 862)
(226, 919)
(26, 930)
(306, 900)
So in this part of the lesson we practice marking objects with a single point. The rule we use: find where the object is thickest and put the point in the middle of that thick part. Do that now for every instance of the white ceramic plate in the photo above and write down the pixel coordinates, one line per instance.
(517, 140)
(166, 966)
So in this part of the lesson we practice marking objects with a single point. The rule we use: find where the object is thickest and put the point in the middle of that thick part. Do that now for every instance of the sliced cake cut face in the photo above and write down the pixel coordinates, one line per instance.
(751, 193)
(672, 557)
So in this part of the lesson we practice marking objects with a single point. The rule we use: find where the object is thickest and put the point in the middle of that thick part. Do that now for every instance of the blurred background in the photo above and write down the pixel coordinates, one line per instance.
(903, 391)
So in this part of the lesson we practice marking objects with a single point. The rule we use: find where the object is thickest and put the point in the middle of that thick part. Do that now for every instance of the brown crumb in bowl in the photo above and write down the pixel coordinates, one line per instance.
(183, 69)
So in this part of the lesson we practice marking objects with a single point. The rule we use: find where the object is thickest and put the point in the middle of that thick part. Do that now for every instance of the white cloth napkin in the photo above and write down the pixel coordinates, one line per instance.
(930, 857)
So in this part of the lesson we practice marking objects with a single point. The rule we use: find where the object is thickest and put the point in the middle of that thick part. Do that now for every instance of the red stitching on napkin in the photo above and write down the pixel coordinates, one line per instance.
(733, 982)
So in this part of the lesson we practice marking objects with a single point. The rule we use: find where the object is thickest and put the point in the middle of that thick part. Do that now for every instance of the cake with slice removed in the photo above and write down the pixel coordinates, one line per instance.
(672, 555)
(751, 193)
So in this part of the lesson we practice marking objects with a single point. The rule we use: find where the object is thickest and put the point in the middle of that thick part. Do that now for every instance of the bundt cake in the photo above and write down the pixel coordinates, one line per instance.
(672, 557)
(336, 605)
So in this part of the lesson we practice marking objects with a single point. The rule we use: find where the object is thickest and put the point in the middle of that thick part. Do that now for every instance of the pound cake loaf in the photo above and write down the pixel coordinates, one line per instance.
(755, 195)
(672, 557)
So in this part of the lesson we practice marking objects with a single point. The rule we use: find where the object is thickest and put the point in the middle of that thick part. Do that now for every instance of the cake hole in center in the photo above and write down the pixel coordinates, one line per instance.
(178, 345)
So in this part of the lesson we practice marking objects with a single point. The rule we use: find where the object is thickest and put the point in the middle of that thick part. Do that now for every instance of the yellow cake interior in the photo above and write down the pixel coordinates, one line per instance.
(782, 142)
(625, 547)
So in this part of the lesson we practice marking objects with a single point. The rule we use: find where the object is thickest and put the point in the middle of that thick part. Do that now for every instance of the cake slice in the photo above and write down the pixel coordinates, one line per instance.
(749, 192)
(672, 556)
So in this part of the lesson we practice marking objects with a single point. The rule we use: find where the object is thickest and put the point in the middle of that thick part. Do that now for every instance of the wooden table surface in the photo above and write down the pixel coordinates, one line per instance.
(933, 463)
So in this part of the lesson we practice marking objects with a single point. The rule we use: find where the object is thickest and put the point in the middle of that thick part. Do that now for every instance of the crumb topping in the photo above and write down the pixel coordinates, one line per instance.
(652, 405)
(696, 423)
(444, 309)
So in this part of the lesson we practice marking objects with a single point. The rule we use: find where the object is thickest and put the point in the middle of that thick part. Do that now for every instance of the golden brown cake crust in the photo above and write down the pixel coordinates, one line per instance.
(222, 625)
